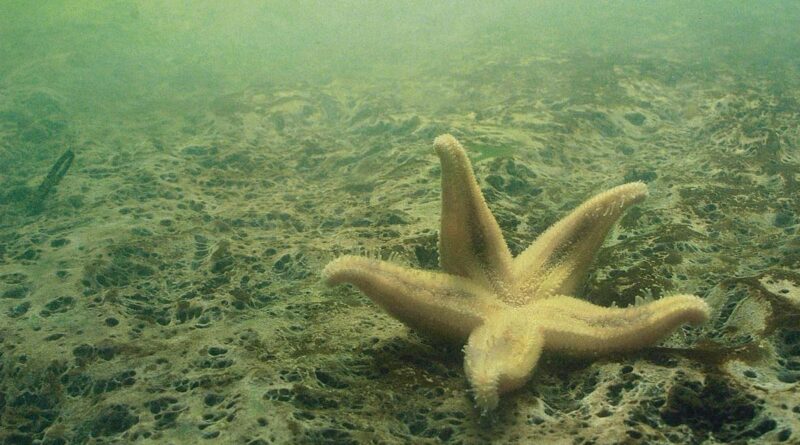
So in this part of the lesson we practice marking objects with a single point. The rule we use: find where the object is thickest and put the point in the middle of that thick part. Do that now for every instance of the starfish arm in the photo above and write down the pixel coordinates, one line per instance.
(500, 356)
(434, 303)
(557, 262)
(584, 328)
(471, 244)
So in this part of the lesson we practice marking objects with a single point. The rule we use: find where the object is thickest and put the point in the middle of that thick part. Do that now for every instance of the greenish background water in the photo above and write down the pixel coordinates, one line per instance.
(119, 54)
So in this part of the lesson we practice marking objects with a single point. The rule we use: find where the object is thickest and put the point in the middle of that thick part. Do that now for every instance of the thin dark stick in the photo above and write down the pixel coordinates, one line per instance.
(57, 172)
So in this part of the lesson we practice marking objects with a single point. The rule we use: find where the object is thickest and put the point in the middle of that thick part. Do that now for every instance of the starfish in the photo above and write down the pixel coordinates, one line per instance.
(506, 309)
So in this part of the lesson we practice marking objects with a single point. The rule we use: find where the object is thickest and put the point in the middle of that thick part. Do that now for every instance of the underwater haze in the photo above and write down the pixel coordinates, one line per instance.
(175, 175)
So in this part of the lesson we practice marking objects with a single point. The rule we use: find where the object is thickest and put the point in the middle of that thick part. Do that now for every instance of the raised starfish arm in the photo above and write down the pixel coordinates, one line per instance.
(470, 242)
(557, 262)
(431, 302)
(581, 327)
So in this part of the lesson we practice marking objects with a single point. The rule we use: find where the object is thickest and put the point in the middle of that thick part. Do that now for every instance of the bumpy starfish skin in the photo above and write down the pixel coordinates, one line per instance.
(509, 309)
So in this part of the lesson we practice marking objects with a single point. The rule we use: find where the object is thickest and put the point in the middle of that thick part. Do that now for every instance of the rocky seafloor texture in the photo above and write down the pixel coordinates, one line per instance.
(168, 289)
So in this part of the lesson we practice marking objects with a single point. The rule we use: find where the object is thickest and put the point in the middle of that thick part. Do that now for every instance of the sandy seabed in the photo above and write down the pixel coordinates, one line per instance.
(168, 290)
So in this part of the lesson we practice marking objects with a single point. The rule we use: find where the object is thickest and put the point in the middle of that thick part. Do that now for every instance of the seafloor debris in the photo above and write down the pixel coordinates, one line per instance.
(56, 174)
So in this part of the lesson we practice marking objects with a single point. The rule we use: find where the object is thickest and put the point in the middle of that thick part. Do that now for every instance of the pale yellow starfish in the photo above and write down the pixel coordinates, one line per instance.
(508, 309)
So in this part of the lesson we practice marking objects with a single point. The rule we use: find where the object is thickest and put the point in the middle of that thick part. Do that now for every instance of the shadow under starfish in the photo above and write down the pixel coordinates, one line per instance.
(506, 309)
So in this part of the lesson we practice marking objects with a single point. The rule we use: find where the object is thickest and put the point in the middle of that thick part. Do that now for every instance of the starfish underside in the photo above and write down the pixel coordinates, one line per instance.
(509, 309)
